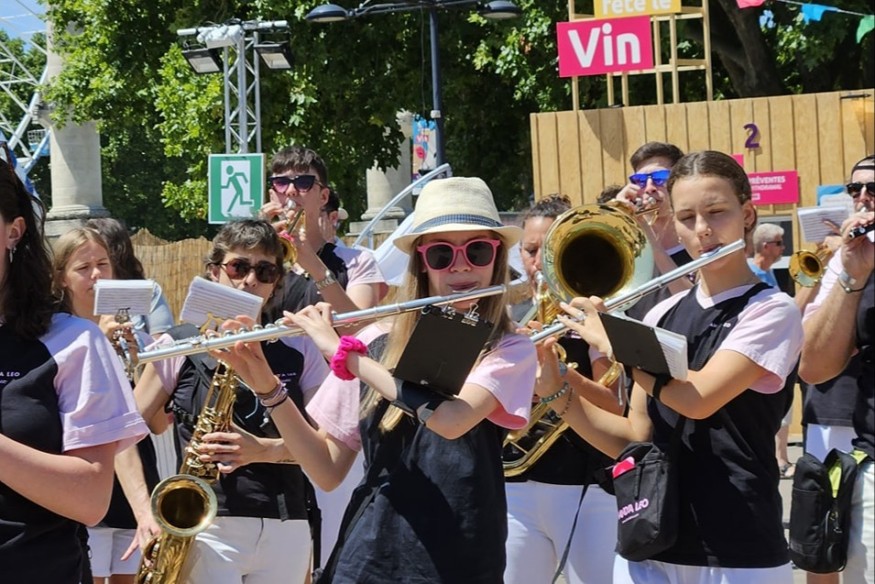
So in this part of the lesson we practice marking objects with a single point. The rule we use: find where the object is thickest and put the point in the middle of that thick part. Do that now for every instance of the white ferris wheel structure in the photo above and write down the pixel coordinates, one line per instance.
(20, 125)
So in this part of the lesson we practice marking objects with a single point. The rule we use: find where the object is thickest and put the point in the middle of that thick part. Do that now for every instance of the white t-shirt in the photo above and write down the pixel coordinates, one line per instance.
(507, 372)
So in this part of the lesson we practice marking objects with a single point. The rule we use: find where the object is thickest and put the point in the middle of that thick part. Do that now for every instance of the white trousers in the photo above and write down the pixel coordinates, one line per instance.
(819, 440)
(861, 545)
(539, 519)
(653, 572)
(250, 550)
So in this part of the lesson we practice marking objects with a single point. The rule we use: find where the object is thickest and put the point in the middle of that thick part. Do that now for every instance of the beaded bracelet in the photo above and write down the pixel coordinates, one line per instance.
(567, 405)
(338, 362)
(562, 391)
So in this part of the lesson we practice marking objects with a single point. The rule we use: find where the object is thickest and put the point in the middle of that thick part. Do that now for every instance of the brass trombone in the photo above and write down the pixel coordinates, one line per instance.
(589, 250)
(522, 450)
(202, 344)
(628, 298)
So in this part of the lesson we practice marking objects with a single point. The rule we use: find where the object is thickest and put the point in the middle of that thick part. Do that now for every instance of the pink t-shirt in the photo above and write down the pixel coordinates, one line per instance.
(361, 266)
(95, 400)
(507, 372)
(768, 331)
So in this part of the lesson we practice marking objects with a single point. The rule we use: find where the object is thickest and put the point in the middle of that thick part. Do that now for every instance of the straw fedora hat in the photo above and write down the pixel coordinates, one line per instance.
(456, 204)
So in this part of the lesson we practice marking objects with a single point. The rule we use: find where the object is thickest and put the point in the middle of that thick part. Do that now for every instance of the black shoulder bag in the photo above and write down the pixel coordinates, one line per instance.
(646, 488)
(820, 511)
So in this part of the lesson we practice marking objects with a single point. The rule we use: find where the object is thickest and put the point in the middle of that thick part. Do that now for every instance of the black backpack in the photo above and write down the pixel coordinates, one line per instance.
(820, 511)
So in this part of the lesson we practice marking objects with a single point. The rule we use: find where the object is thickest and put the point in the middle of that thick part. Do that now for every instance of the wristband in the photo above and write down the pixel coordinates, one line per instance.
(847, 282)
(416, 400)
(338, 362)
(277, 396)
(270, 405)
(658, 383)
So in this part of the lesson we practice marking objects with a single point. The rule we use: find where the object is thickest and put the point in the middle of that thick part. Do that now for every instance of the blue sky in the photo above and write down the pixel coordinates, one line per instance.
(17, 17)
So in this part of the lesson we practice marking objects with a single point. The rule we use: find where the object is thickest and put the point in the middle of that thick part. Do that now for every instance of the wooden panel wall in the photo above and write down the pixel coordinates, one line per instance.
(819, 135)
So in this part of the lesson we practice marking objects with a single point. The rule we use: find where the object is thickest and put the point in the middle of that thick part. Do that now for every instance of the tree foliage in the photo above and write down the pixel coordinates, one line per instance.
(159, 120)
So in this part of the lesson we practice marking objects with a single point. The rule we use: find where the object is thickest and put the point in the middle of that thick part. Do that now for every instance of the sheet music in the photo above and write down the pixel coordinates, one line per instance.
(206, 299)
(113, 296)
(811, 221)
(674, 347)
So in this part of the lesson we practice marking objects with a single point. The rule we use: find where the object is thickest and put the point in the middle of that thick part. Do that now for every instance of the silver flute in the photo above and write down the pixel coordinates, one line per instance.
(650, 285)
(202, 344)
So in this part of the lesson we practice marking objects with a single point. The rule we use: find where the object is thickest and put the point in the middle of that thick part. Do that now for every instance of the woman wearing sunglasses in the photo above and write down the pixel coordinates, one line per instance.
(80, 259)
(432, 506)
(66, 407)
(261, 533)
(745, 338)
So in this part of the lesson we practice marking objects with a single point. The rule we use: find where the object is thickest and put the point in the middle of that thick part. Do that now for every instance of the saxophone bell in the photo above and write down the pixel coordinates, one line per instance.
(185, 504)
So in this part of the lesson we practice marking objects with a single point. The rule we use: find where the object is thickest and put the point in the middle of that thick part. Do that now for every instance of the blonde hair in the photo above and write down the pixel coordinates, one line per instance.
(491, 308)
(64, 247)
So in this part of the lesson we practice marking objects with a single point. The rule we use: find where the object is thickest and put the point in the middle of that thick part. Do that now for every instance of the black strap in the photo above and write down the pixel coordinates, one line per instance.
(564, 558)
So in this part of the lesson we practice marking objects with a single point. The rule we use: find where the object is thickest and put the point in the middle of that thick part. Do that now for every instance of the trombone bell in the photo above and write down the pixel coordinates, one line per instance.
(596, 250)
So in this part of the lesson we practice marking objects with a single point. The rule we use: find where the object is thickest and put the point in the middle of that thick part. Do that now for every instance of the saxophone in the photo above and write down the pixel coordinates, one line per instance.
(185, 504)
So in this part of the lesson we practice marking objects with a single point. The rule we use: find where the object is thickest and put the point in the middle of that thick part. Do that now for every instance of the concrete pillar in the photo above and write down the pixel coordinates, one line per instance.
(77, 193)
(383, 185)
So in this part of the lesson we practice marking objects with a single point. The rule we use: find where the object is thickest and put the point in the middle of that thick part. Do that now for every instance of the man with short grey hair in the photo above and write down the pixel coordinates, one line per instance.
(768, 247)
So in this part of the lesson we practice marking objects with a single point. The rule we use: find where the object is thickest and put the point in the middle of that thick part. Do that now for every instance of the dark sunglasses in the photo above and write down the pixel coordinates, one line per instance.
(855, 189)
(778, 243)
(440, 255)
(302, 182)
(239, 268)
(659, 178)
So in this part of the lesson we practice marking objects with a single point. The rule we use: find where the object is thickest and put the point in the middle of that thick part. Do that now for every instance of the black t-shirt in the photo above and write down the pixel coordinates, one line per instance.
(36, 545)
(433, 510)
(274, 491)
(298, 291)
(730, 507)
(119, 515)
(832, 402)
(864, 412)
(570, 460)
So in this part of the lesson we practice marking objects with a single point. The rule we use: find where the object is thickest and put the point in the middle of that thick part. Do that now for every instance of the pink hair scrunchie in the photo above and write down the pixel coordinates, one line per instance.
(338, 362)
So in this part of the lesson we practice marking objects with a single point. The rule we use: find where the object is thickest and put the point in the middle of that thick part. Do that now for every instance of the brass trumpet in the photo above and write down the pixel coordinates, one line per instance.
(125, 344)
(806, 267)
(290, 254)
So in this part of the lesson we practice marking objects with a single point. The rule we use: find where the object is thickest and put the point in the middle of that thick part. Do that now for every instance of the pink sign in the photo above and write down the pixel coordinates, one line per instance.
(774, 188)
(598, 46)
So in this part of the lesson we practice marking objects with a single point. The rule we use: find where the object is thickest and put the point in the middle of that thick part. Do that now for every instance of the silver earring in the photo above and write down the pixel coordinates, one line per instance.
(11, 253)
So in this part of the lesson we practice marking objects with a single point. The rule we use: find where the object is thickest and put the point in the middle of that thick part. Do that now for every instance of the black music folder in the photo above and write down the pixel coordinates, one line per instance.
(652, 349)
(442, 350)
